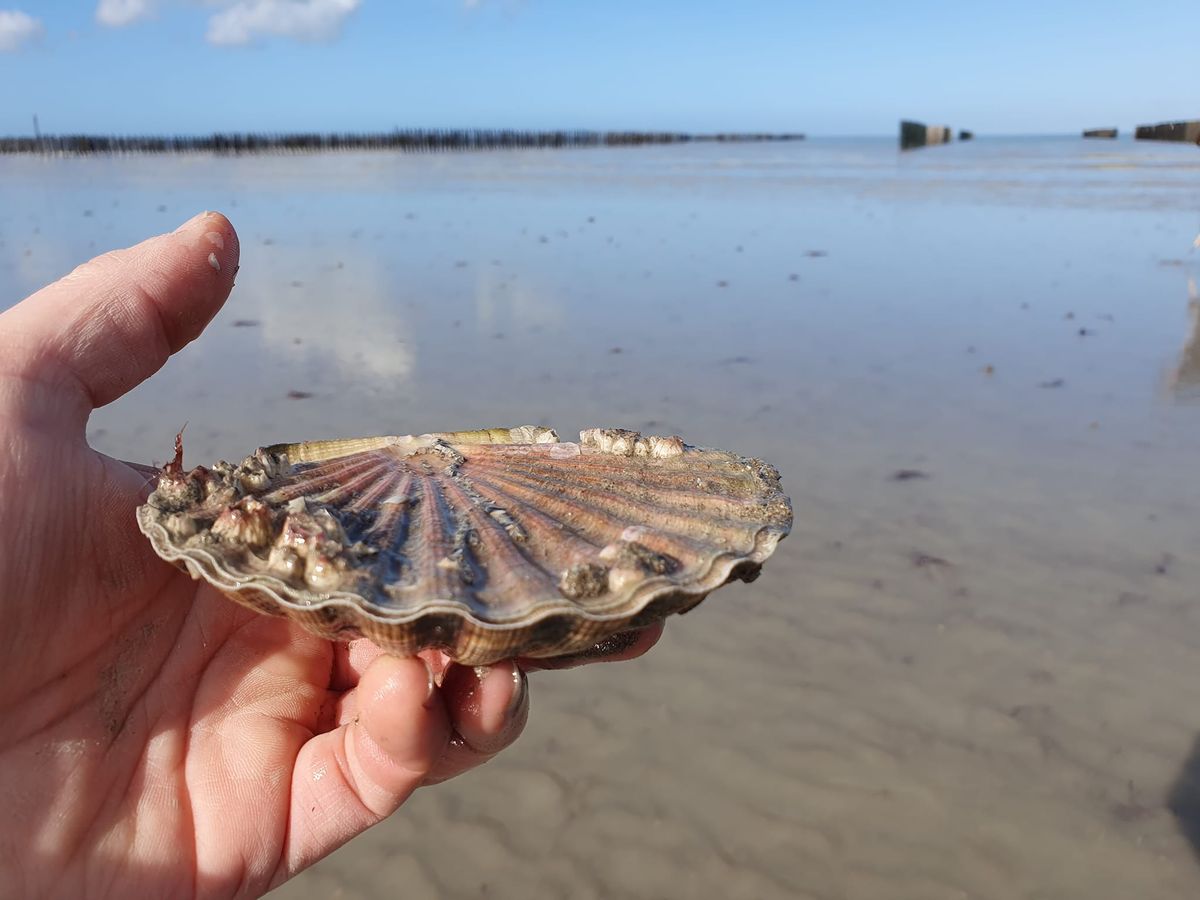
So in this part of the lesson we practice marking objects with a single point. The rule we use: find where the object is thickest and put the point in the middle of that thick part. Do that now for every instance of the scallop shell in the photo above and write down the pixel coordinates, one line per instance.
(485, 544)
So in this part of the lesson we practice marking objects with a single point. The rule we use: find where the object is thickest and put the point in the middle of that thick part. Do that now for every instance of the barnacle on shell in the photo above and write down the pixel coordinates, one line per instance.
(486, 544)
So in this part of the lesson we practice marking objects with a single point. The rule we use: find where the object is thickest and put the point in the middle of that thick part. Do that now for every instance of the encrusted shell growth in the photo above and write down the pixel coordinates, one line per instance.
(485, 544)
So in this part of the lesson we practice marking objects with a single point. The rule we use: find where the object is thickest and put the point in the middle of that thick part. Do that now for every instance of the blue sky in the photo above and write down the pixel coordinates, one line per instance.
(196, 66)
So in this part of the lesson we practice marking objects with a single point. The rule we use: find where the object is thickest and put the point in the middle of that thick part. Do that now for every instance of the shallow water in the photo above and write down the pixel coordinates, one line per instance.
(981, 683)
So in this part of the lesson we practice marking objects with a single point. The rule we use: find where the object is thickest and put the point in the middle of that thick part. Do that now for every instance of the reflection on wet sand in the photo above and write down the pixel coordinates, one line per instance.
(508, 300)
(339, 321)
(1184, 799)
(1184, 378)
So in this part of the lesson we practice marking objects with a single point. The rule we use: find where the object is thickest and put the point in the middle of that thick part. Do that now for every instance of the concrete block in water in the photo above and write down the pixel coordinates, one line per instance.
(1187, 131)
(1100, 133)
(918, 134)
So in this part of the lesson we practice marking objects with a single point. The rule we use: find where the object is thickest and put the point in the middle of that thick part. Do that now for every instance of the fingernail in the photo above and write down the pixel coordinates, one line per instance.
(430, 687)
(194, 220)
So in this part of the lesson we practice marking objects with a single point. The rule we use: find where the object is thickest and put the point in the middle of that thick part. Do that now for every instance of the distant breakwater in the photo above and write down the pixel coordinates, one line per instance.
(413, 141)
(1186, 131)
(918, 134)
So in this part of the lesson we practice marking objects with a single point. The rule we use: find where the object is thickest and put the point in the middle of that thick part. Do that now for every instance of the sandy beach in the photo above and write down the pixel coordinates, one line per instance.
(972, 670)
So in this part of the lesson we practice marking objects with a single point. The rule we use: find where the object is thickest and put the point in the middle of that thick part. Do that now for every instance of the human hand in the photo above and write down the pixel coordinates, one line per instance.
(155, 738)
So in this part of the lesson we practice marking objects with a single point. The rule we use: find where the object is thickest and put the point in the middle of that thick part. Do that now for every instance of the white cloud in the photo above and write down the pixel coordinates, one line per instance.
(302, 20)
(16, 28)
(117, 13)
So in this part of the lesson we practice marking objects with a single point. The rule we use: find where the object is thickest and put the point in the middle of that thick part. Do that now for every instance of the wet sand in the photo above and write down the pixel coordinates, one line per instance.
(973, 668)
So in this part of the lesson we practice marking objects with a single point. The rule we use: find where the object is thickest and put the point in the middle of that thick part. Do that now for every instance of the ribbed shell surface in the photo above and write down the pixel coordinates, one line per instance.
(486, 544)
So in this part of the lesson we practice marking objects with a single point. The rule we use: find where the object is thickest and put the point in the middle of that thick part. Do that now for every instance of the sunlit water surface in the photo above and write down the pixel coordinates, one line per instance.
(981, 683)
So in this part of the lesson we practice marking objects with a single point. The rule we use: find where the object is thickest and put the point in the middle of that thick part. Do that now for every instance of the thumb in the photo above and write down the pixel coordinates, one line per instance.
(87, 339)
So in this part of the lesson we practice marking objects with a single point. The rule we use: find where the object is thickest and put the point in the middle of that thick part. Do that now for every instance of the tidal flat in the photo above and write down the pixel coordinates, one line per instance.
(972, 670)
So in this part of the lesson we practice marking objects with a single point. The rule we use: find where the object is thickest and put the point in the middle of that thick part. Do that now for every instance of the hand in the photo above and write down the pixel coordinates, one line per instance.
(156, 739)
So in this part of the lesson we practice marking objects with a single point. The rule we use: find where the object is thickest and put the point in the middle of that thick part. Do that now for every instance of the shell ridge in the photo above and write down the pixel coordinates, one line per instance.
(683, 497)
(369, 501)
(677, 543)
(390, 527)
(546, 523)
(621, 478)
(434, 543)
(339, 492)
(297, 485)
(501, 550)
(672, 544)
(678, 521)
(565, 510)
